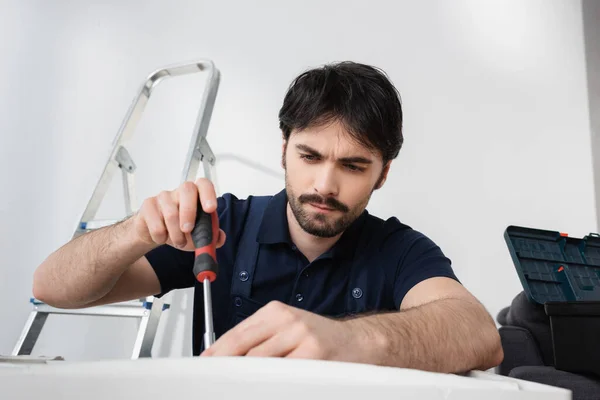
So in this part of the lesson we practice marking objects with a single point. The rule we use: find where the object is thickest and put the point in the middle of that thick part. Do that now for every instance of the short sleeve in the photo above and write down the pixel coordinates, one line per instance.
(174, 267)
(422, 260)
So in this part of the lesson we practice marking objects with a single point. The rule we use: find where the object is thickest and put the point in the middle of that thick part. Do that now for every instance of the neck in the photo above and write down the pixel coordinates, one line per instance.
(310, 245)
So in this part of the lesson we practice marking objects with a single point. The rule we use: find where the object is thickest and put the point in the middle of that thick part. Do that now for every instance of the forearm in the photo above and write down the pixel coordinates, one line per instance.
(86, 268)
(449, 335)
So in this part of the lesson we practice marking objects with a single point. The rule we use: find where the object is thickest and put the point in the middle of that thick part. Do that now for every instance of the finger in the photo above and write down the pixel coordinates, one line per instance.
(188, 201)
(279, 345)
(190, 242)
(303, 352)
(208, 198)
(238, 341)
(170, 213)
(222, 238)
(154, 221)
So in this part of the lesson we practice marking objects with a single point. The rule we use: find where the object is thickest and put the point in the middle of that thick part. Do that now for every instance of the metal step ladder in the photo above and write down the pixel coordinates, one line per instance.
(148, 310)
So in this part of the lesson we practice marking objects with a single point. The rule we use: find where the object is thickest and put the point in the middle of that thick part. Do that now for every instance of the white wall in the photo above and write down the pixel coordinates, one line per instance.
(496, 122)
(591, 16)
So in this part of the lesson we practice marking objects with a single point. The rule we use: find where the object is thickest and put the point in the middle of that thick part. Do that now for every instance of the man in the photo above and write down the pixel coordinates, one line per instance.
(305, 273)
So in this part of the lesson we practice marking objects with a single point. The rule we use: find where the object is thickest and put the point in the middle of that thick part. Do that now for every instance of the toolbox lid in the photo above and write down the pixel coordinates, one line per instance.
(554, 267)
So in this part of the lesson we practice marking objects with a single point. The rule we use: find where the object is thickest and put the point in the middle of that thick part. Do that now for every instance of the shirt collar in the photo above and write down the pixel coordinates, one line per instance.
(347, 245)
(274, 228)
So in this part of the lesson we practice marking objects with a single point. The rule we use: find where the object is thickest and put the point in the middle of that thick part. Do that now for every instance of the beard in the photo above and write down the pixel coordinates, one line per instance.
(323, 224)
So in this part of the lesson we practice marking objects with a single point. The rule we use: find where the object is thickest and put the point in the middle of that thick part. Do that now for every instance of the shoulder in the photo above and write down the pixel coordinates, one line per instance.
(391, 233)
(400, 242)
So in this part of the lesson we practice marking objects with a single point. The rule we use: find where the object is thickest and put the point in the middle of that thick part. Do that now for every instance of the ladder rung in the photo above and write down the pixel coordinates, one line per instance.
(111, 310)
(141, 303)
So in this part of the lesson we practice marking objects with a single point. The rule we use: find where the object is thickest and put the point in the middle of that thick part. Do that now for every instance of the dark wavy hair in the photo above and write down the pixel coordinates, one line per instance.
(359, 96)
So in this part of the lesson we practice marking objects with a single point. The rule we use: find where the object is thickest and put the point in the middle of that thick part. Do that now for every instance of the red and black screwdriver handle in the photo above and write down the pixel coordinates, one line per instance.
(205, 235)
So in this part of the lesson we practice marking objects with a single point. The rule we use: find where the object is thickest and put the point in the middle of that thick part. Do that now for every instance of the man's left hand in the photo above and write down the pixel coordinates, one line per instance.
(280, 330)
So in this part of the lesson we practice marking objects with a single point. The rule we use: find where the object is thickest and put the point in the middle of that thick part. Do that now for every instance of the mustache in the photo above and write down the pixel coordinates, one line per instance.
(328, 202)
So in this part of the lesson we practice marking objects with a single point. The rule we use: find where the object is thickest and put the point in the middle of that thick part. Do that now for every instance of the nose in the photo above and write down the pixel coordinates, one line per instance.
(326, 182)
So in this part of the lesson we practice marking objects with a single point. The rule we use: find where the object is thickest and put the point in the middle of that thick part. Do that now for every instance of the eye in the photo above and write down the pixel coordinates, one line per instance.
(308, 157)
(353, 168)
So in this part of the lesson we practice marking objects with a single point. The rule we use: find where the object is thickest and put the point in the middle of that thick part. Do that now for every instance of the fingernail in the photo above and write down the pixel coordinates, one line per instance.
(188, 226)
(209, 204)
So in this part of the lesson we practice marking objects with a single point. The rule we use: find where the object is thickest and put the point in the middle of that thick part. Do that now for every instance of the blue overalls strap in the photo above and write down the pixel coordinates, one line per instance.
(247, 251)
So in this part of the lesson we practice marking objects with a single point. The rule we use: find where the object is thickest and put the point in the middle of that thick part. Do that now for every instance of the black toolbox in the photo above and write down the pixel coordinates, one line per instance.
(562, 274)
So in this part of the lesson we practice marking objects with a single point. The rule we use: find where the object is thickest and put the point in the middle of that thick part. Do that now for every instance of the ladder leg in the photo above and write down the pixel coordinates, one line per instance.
(147, 330)
(31, 332)
(129, 192)
(137, 346)
(128, 168)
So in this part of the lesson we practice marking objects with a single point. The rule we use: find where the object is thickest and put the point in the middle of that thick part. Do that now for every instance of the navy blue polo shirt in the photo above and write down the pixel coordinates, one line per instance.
(370, 268)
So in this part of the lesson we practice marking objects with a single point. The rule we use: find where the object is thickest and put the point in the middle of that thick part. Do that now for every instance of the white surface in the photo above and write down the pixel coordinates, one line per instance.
(255, 378)
(496, 124)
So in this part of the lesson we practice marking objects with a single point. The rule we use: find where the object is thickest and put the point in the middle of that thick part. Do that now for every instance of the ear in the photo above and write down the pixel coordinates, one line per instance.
(383, 176)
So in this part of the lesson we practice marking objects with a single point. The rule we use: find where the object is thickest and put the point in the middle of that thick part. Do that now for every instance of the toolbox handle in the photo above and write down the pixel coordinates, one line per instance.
(595, 234)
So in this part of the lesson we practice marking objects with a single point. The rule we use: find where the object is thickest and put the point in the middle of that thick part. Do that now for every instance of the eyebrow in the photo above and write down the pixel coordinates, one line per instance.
(353, 160)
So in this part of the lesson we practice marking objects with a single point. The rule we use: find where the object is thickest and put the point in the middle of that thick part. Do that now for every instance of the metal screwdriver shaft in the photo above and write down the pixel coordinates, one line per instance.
(209, 334)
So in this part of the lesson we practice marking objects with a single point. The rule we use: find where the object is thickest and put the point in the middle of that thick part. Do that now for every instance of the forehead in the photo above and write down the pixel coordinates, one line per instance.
(331, 139)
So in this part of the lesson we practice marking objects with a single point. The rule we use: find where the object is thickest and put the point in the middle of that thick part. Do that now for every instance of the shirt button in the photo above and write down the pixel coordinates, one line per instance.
(357, 293)
(244, 276)
(299, 297)
(237, 301)
(294, 247)
(305, 274)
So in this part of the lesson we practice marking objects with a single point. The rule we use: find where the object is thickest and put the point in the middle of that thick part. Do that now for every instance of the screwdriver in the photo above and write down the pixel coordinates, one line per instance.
(205, 235)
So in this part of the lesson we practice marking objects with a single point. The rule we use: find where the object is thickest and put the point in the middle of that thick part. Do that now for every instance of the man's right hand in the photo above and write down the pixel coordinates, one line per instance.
(169, 217)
